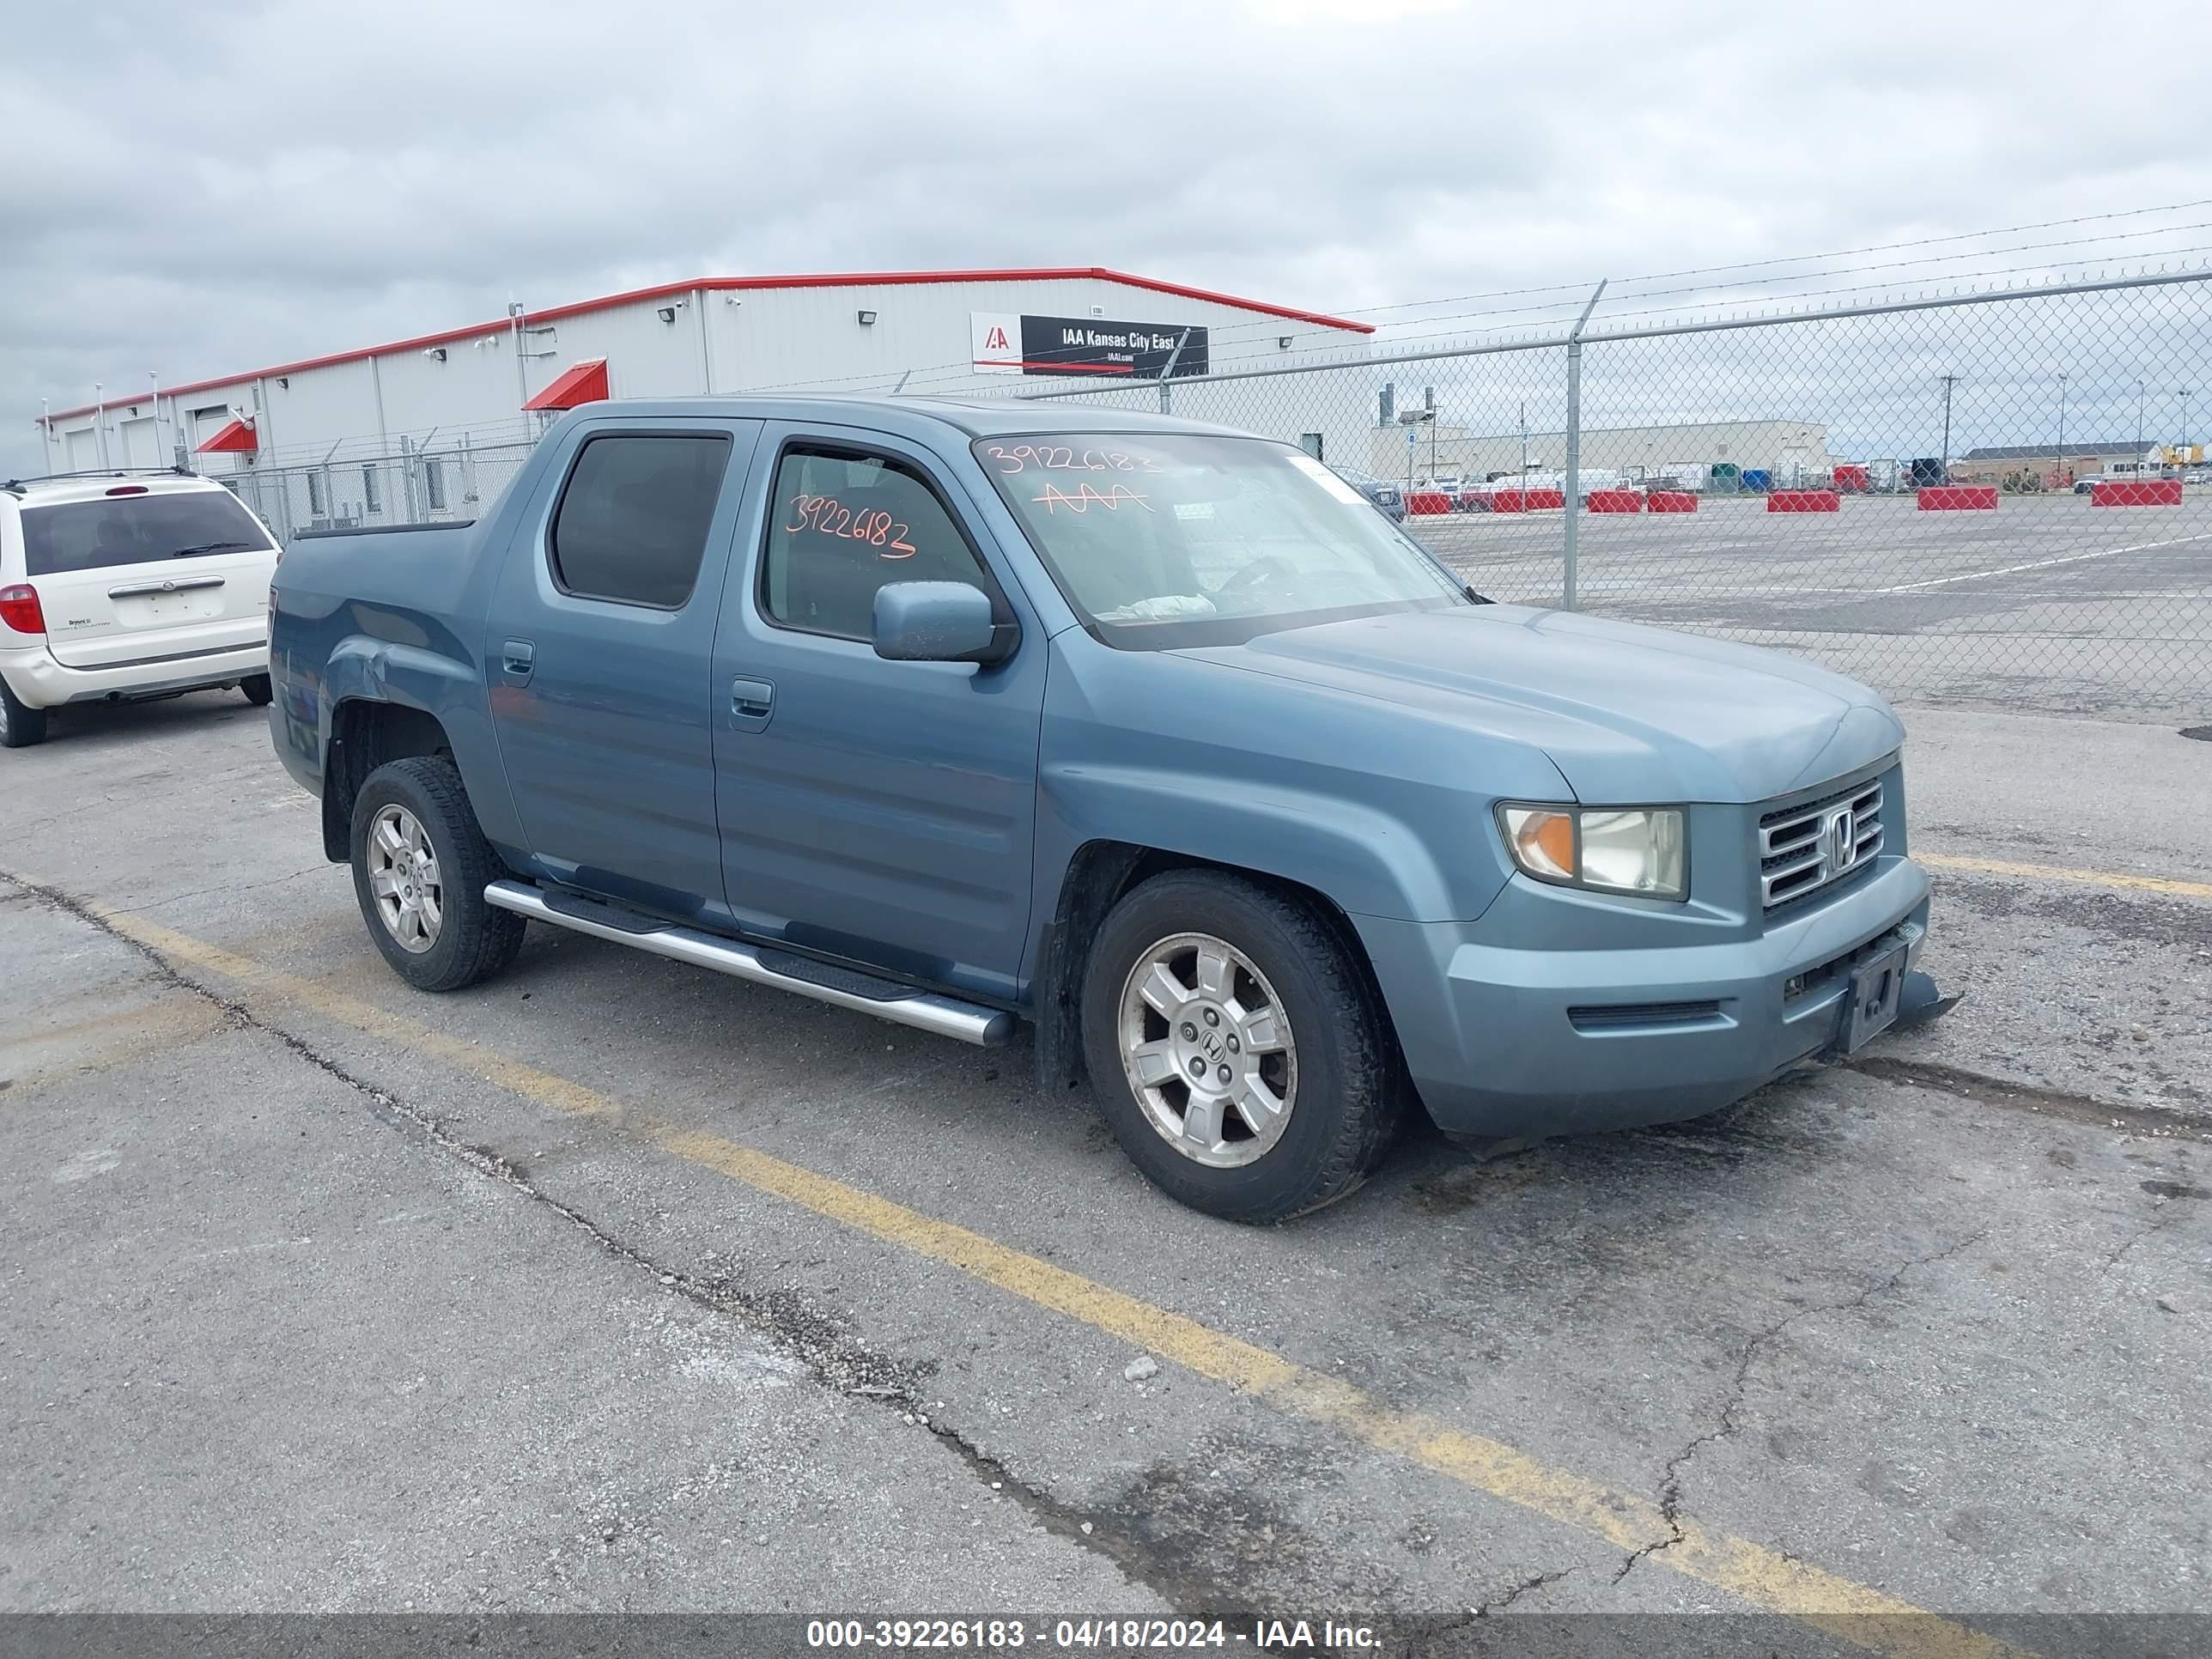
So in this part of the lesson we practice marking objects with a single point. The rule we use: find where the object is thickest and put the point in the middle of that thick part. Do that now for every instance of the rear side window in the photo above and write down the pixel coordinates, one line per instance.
(632, 523)
(845, 524)
(136, 530)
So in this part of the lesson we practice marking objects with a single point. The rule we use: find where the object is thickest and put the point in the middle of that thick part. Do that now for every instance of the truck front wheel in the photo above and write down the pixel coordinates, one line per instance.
(420, 864)
(1236, 1047)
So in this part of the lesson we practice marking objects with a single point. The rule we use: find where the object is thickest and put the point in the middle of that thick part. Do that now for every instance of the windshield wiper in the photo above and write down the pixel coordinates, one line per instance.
(214, 547)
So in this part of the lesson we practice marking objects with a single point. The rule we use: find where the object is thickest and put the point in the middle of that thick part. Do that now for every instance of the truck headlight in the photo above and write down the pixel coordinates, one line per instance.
(1609, 849)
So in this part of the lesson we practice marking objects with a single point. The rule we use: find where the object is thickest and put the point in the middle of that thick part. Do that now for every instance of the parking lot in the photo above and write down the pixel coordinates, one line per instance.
(2048, 603)
(612, 1284)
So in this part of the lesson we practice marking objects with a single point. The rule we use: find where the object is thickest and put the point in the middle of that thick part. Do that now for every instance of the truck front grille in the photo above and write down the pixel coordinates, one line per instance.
(1805, 849)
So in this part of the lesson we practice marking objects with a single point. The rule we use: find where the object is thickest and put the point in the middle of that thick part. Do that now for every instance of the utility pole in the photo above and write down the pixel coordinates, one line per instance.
(1524, 443)
(2139, 427)
(2184, 395)
(2059, 475)
(1949, 381)
(100, 425)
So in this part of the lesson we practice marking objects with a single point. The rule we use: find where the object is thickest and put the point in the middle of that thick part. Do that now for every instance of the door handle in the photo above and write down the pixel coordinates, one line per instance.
(516, 659)
(170, 585)
(750, 703)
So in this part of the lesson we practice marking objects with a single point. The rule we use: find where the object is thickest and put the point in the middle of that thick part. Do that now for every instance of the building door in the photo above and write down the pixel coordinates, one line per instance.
(599, 652)
(880, 812)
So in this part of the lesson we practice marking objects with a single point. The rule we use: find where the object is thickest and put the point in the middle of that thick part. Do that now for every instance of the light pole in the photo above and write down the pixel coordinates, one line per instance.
(1949, 381)
(2139, 426)
(2184, 395)
(2059, 475)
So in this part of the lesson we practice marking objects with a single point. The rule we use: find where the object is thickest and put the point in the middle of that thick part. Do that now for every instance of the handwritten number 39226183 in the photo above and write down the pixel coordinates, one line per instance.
(824, 515)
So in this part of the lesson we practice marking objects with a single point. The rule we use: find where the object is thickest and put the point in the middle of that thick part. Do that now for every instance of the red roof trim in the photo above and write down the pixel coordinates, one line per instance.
(579, 383)
(726, 284)
(236, 439)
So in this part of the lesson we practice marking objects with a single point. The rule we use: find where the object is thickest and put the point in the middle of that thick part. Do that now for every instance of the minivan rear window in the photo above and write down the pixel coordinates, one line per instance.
(136, 530)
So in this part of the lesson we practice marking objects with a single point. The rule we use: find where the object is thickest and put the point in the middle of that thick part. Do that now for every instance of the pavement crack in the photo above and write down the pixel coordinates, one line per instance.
(1726, 1424)
(781, 1317)
(1535, 1582)
(233, 887)
(2157, 1224)
(2015, 1096)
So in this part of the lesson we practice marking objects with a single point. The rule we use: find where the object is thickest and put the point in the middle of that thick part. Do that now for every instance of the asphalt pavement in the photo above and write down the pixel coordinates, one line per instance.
(613, 1285)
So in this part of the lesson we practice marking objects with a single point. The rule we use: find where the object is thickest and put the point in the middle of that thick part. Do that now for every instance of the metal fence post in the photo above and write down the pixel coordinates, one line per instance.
(1167, 400)
(1573, 501)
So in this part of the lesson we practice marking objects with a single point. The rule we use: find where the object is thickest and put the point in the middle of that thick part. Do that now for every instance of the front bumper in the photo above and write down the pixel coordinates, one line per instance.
(1514, 1043)
(40, 682)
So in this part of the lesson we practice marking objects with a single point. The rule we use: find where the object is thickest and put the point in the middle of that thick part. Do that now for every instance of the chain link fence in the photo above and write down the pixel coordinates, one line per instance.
(1990, 498)
(435, 483)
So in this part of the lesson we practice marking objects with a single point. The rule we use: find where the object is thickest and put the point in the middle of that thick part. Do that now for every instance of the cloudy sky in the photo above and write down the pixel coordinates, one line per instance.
(198, 190)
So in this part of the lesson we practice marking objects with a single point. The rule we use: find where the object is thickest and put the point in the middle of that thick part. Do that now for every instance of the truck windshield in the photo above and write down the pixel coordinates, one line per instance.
(110, 530)
(1172, 539)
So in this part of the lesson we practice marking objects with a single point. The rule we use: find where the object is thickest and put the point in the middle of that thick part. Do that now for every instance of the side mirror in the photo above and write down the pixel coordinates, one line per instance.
(940, 621)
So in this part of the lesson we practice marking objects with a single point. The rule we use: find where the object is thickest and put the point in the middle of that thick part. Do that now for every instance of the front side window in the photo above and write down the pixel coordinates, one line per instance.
(1175, 539)
(843, 524)
(136, 530)
(632, 523)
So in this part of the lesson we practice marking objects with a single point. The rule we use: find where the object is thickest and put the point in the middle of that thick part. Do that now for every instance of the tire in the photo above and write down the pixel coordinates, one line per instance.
(20, 725)
(422, 803)
(257, 690)
(1334, 1067)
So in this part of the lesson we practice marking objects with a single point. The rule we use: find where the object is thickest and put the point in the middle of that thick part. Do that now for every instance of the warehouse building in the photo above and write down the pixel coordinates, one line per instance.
(1690, 453)
(431, 427)
(2012, 464)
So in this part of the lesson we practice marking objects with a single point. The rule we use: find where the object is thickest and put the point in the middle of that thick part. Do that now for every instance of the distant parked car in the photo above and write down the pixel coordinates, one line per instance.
(126, 587)
(1389, 500)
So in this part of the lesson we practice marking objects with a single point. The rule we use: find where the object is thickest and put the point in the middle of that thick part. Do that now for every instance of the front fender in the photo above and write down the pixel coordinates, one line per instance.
(1360, 856)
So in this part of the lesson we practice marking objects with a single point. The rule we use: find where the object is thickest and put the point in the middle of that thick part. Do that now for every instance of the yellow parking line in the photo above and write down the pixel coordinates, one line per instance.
(2064, 872)
(1856, 1613)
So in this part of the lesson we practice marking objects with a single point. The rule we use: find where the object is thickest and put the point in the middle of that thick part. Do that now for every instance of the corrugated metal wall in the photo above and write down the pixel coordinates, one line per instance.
(726, 341)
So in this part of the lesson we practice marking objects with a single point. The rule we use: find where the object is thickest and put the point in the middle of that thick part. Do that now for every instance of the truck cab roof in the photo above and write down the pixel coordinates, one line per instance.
(973, 417)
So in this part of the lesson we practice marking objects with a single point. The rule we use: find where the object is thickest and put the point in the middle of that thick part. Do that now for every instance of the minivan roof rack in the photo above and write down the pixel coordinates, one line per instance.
(15, 486)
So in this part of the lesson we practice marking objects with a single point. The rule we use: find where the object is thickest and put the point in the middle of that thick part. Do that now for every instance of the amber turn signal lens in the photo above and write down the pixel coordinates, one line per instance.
(1543, 841)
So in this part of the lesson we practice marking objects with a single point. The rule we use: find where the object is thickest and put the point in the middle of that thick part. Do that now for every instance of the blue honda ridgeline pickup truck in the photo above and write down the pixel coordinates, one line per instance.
(1154, 735)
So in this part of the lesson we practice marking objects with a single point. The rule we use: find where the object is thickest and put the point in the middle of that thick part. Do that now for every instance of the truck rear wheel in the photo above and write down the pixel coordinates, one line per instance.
(21, 726)
(1236, 1047)
(420, 864)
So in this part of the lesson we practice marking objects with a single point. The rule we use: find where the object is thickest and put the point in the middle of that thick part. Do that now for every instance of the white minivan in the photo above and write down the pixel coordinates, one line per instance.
(122, 588)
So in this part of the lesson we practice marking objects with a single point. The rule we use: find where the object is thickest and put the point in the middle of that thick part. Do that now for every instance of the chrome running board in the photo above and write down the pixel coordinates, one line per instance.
(841, 988)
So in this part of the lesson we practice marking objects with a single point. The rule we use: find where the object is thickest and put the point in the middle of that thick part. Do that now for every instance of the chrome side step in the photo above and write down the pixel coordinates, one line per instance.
(987, 1028)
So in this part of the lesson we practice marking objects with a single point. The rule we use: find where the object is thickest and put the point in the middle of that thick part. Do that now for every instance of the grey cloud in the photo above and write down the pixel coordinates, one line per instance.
(209, 189)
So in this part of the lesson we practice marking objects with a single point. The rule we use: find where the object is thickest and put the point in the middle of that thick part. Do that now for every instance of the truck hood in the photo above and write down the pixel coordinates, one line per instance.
(1627, 713)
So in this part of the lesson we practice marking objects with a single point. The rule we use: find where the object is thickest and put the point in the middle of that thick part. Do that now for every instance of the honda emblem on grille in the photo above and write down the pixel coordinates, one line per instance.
(1840, 843)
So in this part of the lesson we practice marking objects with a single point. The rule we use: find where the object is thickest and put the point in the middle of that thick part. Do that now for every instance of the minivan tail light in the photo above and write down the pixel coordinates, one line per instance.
(20, 611)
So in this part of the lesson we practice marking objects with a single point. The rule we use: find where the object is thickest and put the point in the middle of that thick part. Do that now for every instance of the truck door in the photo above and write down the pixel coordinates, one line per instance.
(599, 649)
(878, 812)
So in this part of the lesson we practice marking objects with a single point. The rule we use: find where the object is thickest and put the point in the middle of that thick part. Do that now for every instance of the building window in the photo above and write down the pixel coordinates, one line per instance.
(318, 501)
(433, 484)
(632, 519)
(1311, 442)
(372, 491)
